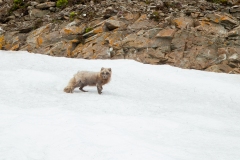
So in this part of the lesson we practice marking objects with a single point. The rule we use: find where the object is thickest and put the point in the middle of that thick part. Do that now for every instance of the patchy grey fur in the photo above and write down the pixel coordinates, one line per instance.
(88, 78)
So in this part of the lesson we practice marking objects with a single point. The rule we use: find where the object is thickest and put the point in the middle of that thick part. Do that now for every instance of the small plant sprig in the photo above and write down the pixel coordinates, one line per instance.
(16, 5)
(88, 30)
(72, 15)
(61, 3)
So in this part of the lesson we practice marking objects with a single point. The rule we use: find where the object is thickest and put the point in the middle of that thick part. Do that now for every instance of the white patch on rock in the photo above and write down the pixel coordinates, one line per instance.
(71, 24)
(1, 31)
(233, 57)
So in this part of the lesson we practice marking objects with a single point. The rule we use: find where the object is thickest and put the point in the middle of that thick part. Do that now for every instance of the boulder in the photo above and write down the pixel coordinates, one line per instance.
(60, 49)
(118, 54)
(179, 40)
(113, 24)
(142, 23)
(115, 39)
(234, 33)
(226, 20)
(131, 16)
(211, 28)
(95, 31)
(166, 33)
(35, 38)
(140, 40)
(71, 32)
(220, 68)
(183, 22)
(37, 13)
(95, 49)
(45, 5)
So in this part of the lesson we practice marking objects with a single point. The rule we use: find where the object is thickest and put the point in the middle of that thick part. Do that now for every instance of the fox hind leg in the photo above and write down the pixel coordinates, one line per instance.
(81, 87)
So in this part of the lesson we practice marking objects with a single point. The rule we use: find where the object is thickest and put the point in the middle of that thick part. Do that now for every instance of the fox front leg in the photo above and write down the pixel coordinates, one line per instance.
(99, 88)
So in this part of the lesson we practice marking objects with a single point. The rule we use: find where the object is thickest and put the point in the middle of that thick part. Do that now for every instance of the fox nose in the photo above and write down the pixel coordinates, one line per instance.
(104, 76)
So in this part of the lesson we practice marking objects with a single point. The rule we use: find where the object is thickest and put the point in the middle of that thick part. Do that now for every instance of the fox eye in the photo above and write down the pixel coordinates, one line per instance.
(107, 73)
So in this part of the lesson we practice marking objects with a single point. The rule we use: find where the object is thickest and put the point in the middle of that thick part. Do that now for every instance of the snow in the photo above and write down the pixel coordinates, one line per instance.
(146, 111)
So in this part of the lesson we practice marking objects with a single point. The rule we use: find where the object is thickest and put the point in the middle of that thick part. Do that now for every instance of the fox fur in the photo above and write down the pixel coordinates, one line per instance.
(88, 78)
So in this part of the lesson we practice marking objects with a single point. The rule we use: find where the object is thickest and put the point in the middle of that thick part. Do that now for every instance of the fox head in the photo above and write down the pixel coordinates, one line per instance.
(106, 73)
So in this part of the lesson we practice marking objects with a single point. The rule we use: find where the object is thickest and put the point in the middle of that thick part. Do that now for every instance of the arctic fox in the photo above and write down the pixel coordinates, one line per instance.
(88, 78)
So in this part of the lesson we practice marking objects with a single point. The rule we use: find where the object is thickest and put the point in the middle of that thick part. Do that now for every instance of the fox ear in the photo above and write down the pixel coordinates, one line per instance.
(110, 69)
(102, 68)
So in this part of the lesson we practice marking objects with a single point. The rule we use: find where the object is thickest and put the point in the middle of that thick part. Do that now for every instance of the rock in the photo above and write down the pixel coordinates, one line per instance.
(235, 71)
(211, 28)
(34, 3)
(233, 2)
(166, 33)
(179, 40)
(52, 9)
(225, 19)
(219, 68)
(234, 9)
(151, 33)
(10, 18)
(131, 16)
(142, 22)
(1, 31)
(118, 54)
(4, 10)
(207, 53)
(46, 5)
(113, 24)
(30, 8)
(95, 31)
(14, 40)
(232, 54)
(95, 49)
(36, 13)
(108, 12)
(222, 51)
(234, 58)
(174, 57)
(183, 63)
(149, 56)
(235, 32)
(2, 41)
(114, 38)
(94, 52)
(141, 41)
(131, 53)
(60, 49)
(35, 37)
(73, 30)
(41, 1)
(183, 22)
(195, 15)
(26, 27)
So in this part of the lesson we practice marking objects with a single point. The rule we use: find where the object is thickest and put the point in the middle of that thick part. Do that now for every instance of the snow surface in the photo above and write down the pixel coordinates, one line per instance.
(147, 112)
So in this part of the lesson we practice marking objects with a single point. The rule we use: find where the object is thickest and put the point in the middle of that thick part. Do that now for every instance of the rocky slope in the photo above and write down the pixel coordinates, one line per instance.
(184, 33)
